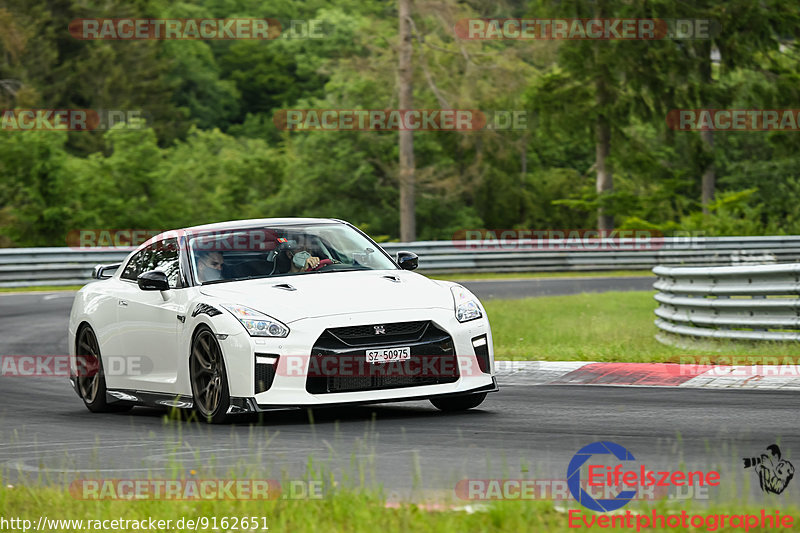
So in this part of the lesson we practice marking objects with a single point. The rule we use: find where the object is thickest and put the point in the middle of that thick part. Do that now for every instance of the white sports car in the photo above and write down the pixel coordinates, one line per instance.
(256, 315)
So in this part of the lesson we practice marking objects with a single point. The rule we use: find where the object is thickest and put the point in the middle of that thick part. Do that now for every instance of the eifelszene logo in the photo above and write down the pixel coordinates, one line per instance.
(611, 479)
(774, 472)
(574, 476)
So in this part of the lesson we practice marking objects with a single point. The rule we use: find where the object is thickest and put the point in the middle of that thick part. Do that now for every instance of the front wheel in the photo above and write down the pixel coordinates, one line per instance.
(91, 379)
(458, 403)
(208, 377)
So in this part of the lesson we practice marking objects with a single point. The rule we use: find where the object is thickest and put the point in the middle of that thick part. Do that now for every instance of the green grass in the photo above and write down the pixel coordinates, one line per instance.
(611, 326)
(465, 276)
(343, 511)
(41, 288)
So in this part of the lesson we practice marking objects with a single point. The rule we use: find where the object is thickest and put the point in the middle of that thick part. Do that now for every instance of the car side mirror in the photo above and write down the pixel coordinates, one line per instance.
(407, 260)
(154, 280)
(104, 271)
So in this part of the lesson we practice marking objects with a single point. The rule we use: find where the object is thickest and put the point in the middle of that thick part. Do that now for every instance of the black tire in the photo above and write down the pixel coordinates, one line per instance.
(210, 393)
(91, 379)
(458, 403)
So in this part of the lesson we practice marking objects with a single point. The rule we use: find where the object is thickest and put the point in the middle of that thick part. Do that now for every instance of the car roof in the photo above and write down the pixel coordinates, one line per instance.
(259, 222)
(251, 223)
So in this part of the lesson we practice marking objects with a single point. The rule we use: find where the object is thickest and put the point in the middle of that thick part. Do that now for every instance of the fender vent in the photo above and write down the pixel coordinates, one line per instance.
(206, 309)
(285, 287)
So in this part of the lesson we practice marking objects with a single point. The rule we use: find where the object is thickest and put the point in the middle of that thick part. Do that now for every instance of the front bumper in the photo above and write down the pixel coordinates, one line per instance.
(289, 383)
(249, 405)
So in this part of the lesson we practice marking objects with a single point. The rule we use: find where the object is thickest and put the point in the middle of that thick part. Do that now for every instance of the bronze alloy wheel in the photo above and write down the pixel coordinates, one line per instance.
(91, 380)
(88, 362)
(209, 380)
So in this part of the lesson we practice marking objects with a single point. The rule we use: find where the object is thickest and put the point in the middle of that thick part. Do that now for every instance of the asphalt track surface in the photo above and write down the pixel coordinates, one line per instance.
(410, 449)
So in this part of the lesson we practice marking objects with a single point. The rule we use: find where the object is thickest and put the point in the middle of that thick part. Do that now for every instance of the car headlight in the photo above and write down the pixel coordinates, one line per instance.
(257, 324)
(466, 304)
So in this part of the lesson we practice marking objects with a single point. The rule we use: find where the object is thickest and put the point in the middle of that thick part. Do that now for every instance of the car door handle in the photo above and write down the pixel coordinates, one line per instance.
(123, 303)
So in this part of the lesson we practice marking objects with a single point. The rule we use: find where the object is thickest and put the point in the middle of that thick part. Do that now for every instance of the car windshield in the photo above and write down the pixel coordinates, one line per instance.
(279, 251)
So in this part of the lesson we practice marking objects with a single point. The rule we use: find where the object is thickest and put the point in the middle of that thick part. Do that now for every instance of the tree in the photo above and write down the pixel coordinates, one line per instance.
(408, 229)
(603, 66)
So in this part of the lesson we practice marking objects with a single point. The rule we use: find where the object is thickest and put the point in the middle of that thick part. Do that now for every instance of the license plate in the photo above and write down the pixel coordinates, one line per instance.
(387, 355)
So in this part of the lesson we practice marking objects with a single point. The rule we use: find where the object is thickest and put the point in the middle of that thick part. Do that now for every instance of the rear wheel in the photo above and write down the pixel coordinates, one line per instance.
(90, 379)
(208, 377)
(458, 403)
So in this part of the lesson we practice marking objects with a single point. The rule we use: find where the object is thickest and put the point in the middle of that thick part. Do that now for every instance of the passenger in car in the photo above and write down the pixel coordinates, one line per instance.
(209, 266)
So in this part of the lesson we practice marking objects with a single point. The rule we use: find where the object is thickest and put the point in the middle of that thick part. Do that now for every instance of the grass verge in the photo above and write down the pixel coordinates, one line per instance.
(610, 326)
(42, 288)
(345, 511)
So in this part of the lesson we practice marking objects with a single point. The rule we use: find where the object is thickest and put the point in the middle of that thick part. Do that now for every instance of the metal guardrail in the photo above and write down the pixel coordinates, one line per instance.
(30, 267)
(23, 267)
(751, 303)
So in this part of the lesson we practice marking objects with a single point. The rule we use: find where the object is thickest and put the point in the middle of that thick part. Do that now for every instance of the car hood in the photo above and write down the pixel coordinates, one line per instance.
(291, 298)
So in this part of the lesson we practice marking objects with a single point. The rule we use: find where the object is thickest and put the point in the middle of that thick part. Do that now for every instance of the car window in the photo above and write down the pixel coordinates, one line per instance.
(248, 253)
(133, 268)
(162, 255)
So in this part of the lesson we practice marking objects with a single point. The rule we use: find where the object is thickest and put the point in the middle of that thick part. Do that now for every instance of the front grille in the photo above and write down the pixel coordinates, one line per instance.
(336, 365)
(356, 384)
(378, 334)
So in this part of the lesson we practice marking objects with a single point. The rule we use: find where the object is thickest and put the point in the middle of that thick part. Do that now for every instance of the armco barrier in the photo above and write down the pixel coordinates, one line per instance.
(20, 267)
(752, 303)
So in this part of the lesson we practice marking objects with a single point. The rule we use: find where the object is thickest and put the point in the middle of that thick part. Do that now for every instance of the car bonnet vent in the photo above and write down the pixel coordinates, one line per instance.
(285, 287)
(393, 278)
